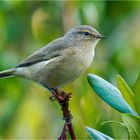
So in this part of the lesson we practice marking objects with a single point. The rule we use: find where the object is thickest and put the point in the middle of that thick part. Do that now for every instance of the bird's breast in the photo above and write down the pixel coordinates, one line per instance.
(84, 57)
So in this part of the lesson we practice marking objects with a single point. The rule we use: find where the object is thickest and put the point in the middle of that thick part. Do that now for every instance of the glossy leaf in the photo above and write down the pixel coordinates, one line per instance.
(126, 91)
(137, 94)
(110, 94)
(94, 134)
(133, 125)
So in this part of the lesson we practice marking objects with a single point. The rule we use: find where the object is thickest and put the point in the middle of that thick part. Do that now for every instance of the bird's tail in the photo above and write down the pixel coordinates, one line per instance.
(7, 73)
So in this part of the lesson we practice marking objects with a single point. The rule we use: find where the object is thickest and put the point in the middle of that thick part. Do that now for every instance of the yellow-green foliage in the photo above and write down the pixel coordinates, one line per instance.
(25, 26)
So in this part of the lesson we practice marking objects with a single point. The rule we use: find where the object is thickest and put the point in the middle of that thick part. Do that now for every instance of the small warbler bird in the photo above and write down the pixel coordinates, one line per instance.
(61, 61)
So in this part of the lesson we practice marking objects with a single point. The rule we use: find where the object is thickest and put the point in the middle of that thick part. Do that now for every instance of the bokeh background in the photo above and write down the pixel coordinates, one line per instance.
(25, 26)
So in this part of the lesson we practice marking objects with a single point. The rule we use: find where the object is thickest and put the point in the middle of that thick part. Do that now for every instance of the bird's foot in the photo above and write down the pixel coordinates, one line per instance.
(52, 98)
(60, 95)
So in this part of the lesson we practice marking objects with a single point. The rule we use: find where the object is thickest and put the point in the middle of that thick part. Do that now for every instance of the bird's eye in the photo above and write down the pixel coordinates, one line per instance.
(86, 34)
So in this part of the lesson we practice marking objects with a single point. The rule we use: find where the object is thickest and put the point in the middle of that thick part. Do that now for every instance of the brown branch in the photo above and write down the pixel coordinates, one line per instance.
(63, 100)
(63, 135)
(71, 131)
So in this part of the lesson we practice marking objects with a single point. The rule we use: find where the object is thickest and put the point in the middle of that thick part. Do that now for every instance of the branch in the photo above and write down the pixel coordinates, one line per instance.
(63, 135)
(63, 100)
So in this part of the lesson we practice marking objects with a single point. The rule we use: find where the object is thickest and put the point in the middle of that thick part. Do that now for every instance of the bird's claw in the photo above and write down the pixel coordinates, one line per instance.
(52, 98)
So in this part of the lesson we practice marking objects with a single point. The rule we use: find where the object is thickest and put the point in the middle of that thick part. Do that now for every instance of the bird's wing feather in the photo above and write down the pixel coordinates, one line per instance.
(52, 50)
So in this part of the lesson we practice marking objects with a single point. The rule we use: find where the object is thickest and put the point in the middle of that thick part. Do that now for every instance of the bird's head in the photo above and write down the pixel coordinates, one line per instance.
(84, 35)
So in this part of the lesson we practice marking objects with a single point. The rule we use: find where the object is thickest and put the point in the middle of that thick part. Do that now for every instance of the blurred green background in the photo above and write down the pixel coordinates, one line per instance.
(25, 108)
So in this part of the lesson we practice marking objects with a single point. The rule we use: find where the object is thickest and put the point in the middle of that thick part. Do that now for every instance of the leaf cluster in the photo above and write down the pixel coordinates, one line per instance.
(122, 99)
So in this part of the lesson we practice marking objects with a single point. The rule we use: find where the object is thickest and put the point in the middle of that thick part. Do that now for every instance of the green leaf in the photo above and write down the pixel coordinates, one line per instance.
(97, 135)
(133, 125)
(126, 91)
(137, 94)
(111, 121)
(110, 94)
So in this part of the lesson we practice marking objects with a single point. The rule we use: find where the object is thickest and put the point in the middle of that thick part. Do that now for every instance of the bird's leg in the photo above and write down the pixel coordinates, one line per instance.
(52, 90)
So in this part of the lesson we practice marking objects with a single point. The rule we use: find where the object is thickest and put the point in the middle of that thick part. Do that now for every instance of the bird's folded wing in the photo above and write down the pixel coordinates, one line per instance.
(32, 60)
(52, 50)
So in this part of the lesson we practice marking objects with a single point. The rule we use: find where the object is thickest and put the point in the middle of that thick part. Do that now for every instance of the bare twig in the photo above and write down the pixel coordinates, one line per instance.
(63, 135)
(63, 99)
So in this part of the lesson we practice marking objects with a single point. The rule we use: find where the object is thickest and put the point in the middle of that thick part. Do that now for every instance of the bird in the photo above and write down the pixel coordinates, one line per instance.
(61, 61)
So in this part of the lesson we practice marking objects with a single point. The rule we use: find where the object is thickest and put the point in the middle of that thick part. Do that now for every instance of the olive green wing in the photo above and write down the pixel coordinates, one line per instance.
(35, 58)
(52, 50)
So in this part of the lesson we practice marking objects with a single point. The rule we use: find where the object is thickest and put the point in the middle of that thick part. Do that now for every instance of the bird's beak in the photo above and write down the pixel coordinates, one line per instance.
(100, 36)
